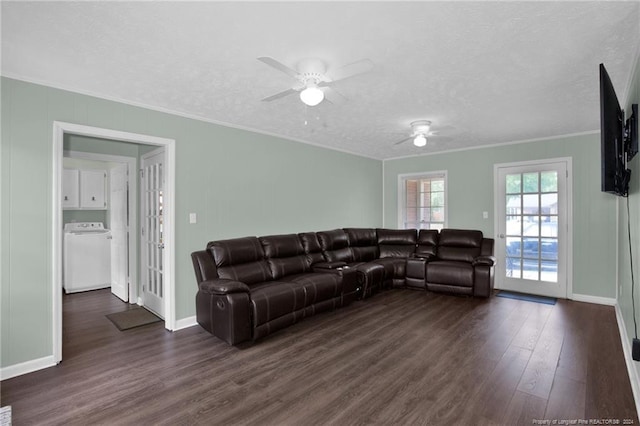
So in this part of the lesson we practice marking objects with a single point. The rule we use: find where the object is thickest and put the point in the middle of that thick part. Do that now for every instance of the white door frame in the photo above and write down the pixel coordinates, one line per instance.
(569, 195)
(132, 199)
(59, 130)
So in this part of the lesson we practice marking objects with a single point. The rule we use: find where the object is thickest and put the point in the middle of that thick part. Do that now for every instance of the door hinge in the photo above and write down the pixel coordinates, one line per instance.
(142, 231)
(141, 172)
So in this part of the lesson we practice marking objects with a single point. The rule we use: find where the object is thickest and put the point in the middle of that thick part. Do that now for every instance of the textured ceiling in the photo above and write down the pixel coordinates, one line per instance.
(483, 72)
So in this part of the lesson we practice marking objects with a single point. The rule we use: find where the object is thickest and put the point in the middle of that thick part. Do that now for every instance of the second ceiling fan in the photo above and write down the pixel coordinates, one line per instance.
(313, 80)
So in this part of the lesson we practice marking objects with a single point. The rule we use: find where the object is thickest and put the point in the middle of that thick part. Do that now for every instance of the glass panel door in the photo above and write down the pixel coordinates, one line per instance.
(532, 222)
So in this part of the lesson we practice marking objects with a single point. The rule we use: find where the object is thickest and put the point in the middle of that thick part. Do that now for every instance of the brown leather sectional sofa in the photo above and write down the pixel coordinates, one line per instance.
(250, 287)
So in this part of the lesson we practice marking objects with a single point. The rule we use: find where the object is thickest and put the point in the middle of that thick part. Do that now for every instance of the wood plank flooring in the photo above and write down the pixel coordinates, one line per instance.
(401, 357)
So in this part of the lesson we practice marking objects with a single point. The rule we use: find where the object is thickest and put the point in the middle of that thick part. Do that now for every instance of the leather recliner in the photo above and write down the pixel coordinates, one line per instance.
(460, 262)
(255, 286)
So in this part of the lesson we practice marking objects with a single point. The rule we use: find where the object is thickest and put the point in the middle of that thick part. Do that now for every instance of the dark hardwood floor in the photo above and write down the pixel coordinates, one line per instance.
(401, 357)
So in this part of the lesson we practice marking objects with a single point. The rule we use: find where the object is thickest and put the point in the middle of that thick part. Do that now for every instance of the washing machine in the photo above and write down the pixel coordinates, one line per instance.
(86, 257)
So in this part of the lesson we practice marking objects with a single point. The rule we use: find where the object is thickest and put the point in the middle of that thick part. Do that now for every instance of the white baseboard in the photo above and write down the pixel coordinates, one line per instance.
(26, 367)
(185, 323)
(626, 349)
(608, 301)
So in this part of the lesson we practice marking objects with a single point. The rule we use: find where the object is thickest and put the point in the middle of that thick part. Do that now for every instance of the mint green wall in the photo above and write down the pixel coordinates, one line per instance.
(238, 182)
(624, 268)
(470, 192)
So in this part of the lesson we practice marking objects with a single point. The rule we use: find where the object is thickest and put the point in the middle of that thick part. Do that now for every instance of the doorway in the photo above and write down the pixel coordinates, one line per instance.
(168, 259)
(118, 215)
(533, 209)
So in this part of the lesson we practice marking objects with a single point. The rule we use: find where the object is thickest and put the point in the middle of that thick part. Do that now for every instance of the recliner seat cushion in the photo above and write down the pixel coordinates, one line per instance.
(317, 287)
(275, 300)
(394, 267)
(450, 272)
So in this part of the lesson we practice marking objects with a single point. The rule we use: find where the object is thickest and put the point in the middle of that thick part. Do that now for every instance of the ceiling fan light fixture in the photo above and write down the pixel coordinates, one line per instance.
(420, 140)
(312, 96)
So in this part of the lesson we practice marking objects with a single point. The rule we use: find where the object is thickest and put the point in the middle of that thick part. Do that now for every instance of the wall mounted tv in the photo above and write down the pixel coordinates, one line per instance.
(618, 139)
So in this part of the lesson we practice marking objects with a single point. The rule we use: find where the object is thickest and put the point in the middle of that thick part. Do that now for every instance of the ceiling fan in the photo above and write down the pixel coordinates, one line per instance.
(420, 130)
(313, 81)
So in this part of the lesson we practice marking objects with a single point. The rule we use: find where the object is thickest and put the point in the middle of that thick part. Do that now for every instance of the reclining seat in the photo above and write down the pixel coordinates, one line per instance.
(335, 247)
(461, 265)
(297, 292)
(250, 287)
(396, 245)
(223, 272)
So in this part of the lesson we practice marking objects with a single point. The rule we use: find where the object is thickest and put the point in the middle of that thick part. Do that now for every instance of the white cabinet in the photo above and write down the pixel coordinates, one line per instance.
(93, 189)
(70, 189)
(84, 189)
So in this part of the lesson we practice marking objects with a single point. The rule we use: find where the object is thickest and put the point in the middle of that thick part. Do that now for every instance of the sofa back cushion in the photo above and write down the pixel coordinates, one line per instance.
(427, 243)
(363, 243)
(311, 247)
(240, 259)
(397, 242)
(459, 244)
(335, 246)
(285, 255)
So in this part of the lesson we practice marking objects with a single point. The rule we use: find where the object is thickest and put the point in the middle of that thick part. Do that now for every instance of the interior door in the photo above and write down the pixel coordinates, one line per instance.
(119, 224)
(152, 230)
(532, 215)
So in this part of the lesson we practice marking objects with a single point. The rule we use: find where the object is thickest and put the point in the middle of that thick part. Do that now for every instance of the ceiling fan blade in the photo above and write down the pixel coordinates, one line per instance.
(279, 66)
(404, 140)
(279, 95)
(359, 67)
(333, 96)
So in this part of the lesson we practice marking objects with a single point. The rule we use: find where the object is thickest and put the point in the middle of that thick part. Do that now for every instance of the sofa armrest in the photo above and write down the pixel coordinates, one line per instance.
(319, 267)
(484, 261)
(223, 286)
(424, 256)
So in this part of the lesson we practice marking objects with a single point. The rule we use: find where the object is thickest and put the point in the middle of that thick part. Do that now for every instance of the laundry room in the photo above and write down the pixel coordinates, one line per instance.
(100, 215)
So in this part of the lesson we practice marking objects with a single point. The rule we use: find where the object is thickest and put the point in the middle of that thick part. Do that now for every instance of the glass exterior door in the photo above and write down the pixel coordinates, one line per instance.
(532, 228)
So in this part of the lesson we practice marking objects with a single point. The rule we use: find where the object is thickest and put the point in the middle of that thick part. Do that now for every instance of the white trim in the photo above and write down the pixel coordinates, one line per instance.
(26, 367)
(132, 167)
(181, 114)
(628, 359)
(185, 323)
(59, 130)
(401, 193)
(598, 300)
(497, 145)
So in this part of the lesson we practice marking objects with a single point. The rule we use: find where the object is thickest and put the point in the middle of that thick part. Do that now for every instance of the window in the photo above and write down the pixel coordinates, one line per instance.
(423, 201)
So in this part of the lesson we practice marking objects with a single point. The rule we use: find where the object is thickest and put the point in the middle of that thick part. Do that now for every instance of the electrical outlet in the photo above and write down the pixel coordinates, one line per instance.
(193, 218)
(485, 215)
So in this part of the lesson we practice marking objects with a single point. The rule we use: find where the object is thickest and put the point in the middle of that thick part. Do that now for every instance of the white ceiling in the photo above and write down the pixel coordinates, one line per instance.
(483, 72)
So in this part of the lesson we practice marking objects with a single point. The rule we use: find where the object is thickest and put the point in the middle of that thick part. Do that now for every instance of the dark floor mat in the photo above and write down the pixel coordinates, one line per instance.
(527, 297)
(132, 318)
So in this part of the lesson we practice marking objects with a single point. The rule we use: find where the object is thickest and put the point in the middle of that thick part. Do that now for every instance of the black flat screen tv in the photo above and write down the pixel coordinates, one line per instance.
(614, 175)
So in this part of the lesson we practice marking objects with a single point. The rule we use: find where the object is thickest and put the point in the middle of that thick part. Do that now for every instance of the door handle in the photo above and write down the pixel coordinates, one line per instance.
(501, 235)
